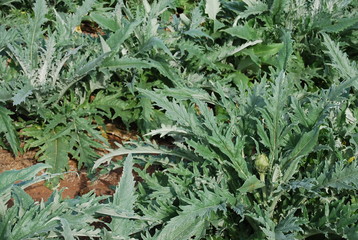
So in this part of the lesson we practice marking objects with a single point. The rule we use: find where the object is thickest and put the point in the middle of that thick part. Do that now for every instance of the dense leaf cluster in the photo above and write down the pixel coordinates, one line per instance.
(256, 100)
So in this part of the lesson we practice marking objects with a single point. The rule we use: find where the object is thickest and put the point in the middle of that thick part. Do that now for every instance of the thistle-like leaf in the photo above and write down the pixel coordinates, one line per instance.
(22, 94)
(212, 7)
(8, 178)
(117, 39)
(251, 184)
(55, 154)
(165, 130)
(124, 199)
(40, 10)
(76, 18)
(342, 176)
(285, 53)
(192, 220)
(339, 59)
(174, 110)
(7, 128)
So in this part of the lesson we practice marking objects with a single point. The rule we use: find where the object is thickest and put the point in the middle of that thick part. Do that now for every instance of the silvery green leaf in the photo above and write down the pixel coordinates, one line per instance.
(350, 119)
(212, 7)
(277, 174)
(22, 94)
(165, 130)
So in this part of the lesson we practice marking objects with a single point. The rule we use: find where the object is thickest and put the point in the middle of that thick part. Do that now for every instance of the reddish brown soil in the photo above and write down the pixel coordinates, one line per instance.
(76, 182)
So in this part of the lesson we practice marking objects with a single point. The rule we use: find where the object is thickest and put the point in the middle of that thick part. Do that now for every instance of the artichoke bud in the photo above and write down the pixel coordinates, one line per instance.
(262, 163)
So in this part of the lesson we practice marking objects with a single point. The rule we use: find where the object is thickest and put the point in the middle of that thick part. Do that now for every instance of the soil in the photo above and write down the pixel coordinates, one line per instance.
(75, 182)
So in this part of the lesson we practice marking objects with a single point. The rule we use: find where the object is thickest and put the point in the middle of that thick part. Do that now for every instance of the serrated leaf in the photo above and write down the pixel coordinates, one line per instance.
(285, 53)
(343, 176)
(155, 42)
(124, 197)
(104, 21)
(56, 154)
(40, 10)
(277, 7)
(123, 200)
(191, 221)
(289, 224)
(197, 33)
(165, 130)
(8, 178)
(339, 59)
(305, 145)
(67, 232)
(340, 25)
(117, 39)
(91, 65)
(5, 95)
(182, 227)
(76, 18)
(7, 127)
(251, 184)
(253, 7)
(243, 32)
(22, 94)
(174, 110)
(212, 7)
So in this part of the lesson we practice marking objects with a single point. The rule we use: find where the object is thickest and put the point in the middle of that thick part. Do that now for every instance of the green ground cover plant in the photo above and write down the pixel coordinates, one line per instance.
(256, 101)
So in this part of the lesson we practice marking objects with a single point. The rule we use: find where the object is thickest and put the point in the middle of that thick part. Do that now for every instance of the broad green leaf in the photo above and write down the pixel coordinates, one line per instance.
(253, 7)
(21, 197)
(303, 147)
(183, 227)
(285, 53)
(242, 31)
(266, 50)
(104, 21)
(5, 95)
(251, 184)
(127, 62)
(116, 39)
(277, 7)
(56, 154)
